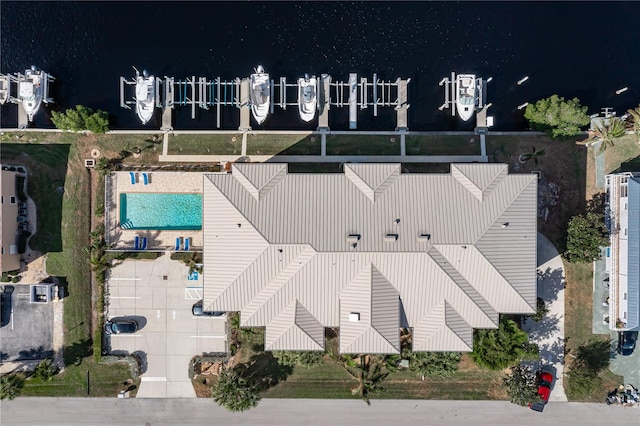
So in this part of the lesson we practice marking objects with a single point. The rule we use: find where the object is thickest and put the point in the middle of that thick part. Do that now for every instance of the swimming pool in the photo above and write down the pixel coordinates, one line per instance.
(160, 211)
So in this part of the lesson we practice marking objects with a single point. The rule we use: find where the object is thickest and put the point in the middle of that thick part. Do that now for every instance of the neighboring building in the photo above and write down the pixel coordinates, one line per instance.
(369, 251)
(623, 254)
(9, 257)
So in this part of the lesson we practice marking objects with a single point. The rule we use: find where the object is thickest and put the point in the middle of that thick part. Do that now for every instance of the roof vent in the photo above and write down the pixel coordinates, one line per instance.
(396, 222)
(391, 237)
(353, 237)
(423, 238)
(504, 225)
(353, 246)
(354, 317)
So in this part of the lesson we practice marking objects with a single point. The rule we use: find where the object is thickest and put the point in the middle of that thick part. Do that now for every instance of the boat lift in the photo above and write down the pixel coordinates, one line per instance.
(15, 80)
(450, 93)
(204, 93)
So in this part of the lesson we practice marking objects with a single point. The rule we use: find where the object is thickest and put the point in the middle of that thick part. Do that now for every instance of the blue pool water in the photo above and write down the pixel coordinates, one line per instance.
(161, 211)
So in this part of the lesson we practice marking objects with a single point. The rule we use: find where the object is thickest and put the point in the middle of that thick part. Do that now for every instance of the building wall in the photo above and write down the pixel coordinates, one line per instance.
(8, 219)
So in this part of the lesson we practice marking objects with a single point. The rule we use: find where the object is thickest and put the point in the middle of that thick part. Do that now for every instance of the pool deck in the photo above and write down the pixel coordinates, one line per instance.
(157, 240)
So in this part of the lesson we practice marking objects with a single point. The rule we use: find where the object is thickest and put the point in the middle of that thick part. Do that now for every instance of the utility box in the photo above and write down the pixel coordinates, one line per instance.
(41, 293)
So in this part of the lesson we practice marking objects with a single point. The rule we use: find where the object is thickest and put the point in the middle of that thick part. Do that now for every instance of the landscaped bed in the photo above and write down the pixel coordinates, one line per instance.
(442, 145)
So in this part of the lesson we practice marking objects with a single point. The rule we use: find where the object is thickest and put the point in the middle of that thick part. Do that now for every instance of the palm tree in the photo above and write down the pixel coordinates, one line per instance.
(634, 115)
(606, 132)
(369, 375)
(533, 155)
(10, 386)
(234, 392)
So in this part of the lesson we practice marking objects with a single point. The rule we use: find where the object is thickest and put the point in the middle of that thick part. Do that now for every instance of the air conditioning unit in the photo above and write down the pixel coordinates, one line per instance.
(89, 163)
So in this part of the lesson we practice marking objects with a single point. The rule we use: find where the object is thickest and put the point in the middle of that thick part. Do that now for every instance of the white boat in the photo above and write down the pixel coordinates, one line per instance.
(4, 88)
(31, 90)
(465, 95)
(260, 94)
(145, 96)
(307, 97)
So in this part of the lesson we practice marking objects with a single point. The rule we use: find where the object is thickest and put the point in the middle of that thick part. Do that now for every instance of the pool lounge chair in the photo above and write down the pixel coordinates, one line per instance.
(145, 178)
(187, 243)
(144, 244)
(133, 178)
(136, 243)
(178, 243)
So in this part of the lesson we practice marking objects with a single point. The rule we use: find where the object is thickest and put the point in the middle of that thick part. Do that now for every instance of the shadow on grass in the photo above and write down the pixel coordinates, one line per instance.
(77, 351)
(46, 172)
(263, 369)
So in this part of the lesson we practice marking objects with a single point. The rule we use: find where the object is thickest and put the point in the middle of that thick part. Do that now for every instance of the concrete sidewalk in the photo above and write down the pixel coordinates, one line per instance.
(549, 332)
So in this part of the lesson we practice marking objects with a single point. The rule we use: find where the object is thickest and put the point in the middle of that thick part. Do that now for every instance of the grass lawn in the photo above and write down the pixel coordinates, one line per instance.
(221, 144)
(60, 186)
(330, 380)
(624, 156)
(105, 380)
(578, 322)
(363, 145)
(442, 145)
(260, 144)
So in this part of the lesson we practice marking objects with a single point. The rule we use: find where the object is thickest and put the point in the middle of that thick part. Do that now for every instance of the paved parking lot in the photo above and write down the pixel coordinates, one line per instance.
(159, 296)
(27, 328)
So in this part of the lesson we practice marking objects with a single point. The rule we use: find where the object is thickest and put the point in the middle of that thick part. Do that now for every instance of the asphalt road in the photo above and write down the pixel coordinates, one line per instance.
(154, 412)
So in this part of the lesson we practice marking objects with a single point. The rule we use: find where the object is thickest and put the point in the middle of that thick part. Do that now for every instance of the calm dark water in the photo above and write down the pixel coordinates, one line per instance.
(578, 49)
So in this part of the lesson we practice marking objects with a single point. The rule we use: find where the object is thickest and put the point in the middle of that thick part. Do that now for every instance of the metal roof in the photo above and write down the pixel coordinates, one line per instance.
(633, 268)
(452, 249)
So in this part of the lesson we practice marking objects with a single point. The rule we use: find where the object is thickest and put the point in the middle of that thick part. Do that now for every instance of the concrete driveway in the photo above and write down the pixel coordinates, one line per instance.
(159, 296)
(549, 332)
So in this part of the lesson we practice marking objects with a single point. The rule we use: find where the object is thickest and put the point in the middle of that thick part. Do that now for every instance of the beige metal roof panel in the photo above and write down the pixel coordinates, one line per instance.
(286, 332)
(483, 277)
(247, 272)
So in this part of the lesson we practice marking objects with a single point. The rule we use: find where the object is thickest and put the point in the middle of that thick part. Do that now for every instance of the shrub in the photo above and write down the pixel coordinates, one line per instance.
(521, 385)
(304, 359)
(234, 392)
(496, 349)
(81, 118)
(10, 386)
(45, 370)
(558, 117)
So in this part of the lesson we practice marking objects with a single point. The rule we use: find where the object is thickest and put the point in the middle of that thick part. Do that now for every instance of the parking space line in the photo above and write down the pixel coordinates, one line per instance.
(209, 337)
(125, 297)
(125, 279)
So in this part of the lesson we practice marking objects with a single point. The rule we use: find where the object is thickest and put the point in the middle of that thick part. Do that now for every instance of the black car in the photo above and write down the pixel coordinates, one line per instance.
(198, 310)
(627, 342)
(118, 326)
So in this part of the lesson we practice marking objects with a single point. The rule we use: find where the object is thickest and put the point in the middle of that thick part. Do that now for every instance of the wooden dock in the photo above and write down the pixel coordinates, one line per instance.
(403, 106)
(324, 98)
(245, 109)
(23, 119)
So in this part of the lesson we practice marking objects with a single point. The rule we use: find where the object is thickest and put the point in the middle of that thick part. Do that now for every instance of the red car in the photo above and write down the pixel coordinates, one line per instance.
(545, 384)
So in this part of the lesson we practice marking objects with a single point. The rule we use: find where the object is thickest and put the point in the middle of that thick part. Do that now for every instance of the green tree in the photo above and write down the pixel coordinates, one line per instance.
(81, 118)
(634, 121)
(586, 233)
(521, 385)
(304, 359)
(369, 374)
(10, 386)
(558, 117)
(235, 392)
(442, 364)
(496, 349)
(45, 370)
